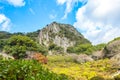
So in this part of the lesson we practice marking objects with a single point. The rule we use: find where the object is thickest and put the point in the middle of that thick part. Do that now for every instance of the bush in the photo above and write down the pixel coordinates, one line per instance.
(40, 58)
(54, 47)
(97, 78)
(18, 45)
(82, 48)
(85, 48)
(2, 44)
(117, 77)
(71, 50)
(26, 70)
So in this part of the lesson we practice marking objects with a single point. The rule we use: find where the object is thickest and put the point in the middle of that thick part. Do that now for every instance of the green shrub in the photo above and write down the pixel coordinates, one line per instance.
(82, 48)
(17, 46)
(2, 44)
(97, 78)
(117, 77)
(53, 46)
(26, 70)
(71, 50)
(85, 48)
(99, 46)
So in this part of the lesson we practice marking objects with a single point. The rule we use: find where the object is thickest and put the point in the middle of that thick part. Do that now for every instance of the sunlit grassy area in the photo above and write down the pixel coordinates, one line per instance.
(66, 65)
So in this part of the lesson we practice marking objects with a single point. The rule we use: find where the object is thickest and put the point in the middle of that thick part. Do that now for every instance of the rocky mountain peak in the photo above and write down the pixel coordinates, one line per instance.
(62, 35)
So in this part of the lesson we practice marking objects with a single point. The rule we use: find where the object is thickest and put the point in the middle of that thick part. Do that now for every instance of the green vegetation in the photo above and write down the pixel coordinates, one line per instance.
(18, 45)
(115, 39)
(85, 48)
(55, 67)
(2, 44)
(71, 33)
(26, 70)
(117, 77)
(55, 49)
(4, 35)
(96, 70)
(53, 46)
(97, 78)
(33, 35)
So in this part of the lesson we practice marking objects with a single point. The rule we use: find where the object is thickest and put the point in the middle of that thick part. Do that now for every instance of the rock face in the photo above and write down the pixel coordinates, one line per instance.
(63, 35)
(112, 51)
(98, 55)
(81, 58)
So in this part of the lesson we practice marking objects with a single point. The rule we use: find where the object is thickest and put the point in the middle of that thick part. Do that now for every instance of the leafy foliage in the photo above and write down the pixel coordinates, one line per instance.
(71, 33)
(26, 70)
(4, 35)
(18, 45)
(2, 44)
(40, 58)
(82, 48)
(53, 46)
(33, 35)
(117, 77)
(85, 48)
(97, 78)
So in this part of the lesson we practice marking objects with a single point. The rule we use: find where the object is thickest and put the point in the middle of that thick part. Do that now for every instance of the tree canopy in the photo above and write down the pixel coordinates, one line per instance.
(17, 46)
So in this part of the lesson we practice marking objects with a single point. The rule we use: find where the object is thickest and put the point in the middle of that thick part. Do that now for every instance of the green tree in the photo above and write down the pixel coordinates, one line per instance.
(99, 46)
(2, 44)
(17, 46)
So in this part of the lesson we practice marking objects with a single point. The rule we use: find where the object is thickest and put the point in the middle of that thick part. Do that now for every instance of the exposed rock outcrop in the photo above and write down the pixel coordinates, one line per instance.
(81, 58)
(98, 55)
(112, 51)
(63, 35)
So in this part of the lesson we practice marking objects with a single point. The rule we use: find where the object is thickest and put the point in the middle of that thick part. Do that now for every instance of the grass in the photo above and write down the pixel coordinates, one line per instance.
(65, 65)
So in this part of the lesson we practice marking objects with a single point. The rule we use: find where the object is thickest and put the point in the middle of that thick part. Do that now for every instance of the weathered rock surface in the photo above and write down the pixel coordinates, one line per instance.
(63, 35)
(98, 55)
(81, 58)
(112, 51)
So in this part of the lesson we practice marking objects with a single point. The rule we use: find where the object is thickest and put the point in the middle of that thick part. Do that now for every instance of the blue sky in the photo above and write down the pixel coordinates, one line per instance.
(97, 20)
(35, 14)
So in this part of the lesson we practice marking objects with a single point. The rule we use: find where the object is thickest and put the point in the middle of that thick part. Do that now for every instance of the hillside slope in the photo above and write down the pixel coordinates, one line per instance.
(62, 35)
(112, 50)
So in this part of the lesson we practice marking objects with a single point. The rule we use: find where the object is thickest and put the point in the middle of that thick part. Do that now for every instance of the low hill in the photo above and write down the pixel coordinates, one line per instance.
(4, 35)
(112, 50)
(62, 35)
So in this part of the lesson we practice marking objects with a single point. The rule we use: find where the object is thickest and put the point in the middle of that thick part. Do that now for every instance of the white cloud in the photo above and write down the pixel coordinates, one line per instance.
(32, 11)
(69, 5)
(5, 23)
(52, 16)
(16, 3)
(99, 20)
(61, 2)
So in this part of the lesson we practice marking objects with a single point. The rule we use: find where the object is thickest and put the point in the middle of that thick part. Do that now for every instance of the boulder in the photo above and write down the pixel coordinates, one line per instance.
(98, 55)
(82, 58)
(112, 49)
(116, 60)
